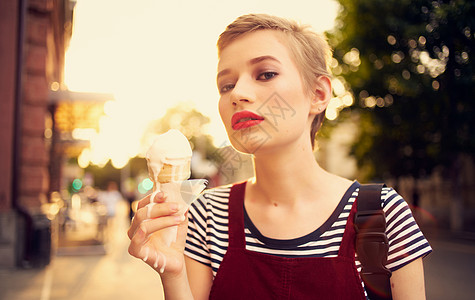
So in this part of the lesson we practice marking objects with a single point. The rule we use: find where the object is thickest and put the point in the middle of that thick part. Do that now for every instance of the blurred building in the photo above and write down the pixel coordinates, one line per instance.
(37, 118)
(34, 36)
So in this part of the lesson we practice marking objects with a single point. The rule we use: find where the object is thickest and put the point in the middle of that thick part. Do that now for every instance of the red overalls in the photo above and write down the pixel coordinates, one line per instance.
(245, 274)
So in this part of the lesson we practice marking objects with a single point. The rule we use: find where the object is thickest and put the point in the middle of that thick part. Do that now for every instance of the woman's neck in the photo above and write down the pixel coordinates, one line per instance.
(287, 175)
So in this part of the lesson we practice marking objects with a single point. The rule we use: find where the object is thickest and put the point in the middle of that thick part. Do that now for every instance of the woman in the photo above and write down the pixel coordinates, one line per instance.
(286, 232)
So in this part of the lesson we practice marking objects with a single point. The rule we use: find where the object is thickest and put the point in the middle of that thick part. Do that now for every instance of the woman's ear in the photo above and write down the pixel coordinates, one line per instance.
(322, 93)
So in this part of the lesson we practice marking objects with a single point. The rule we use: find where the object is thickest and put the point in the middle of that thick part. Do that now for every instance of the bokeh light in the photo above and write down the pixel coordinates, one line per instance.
(77, 184)
(145, 186)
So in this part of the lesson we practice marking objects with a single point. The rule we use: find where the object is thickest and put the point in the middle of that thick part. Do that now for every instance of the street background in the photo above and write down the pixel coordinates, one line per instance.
(86, 86)
(89, 273)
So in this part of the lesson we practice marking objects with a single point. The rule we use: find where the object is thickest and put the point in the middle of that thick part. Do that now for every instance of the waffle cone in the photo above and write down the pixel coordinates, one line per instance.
(170, 172)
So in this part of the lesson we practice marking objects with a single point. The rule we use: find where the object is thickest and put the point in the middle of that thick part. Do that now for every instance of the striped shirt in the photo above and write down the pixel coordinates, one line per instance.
(207, 238)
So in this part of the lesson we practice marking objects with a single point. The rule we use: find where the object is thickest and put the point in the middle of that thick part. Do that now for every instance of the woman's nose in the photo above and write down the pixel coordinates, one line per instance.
(242, 93)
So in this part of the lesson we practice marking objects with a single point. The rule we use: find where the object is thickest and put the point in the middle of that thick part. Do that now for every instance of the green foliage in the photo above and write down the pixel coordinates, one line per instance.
(410, 65)
(182, 117)
(191, 123)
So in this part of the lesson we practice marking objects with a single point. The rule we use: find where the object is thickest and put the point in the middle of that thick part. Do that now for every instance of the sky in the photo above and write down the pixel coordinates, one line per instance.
(152, 55)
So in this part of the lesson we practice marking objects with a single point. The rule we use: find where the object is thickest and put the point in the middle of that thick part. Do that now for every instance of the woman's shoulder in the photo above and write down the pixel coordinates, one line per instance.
(211, 206)
(390, 198)
(217, 192)
(213, 197)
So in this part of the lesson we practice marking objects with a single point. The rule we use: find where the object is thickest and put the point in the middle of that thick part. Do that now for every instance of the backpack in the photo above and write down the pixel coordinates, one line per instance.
(371, 242)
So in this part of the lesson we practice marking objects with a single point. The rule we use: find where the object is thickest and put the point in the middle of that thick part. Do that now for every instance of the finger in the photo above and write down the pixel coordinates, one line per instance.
(182, 232)
(144, 201)
(152, 211)
(160, 197)
(157, 210)
(137, 242)
(133, 227)
(153, 225)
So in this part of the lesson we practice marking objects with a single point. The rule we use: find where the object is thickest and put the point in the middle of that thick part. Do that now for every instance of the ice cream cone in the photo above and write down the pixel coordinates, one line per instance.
(174, 172)
(169, 162)
(169, 158)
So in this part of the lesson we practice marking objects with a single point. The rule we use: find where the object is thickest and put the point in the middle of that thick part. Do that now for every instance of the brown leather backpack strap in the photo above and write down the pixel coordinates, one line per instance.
(371, 242)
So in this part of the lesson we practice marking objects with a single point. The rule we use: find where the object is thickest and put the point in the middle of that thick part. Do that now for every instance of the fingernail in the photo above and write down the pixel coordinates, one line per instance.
(180, 218)
(157, 197)
(174, 206)
(160, 195)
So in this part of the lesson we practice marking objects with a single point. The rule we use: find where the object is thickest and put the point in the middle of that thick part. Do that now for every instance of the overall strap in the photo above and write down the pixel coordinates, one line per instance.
(236, 216)
(371, 242)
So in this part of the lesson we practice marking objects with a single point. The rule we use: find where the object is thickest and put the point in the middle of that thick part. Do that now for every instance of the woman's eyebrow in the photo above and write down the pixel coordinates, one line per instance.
(252, 61)
(222, 73)
(258, 59)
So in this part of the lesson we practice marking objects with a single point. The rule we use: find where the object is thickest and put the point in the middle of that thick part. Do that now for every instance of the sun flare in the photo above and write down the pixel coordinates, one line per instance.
(151, 56)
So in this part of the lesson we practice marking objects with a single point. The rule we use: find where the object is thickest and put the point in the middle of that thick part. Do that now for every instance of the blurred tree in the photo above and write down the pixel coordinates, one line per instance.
(410, 65)
(184, 118)
(192, 124)
(103, 175)
(189, 121)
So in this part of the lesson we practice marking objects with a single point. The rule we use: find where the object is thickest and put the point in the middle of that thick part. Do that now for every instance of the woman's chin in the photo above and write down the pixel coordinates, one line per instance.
(250, 140)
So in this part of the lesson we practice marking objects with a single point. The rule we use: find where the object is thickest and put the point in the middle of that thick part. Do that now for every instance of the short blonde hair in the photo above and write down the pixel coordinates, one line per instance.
(310, 50)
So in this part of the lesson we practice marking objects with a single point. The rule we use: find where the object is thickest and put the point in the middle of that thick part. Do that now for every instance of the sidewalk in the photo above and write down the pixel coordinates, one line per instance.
(449, 269)
(92, 275)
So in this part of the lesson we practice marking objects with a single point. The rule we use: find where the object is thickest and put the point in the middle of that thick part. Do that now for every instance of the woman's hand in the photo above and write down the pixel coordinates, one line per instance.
(145, 235)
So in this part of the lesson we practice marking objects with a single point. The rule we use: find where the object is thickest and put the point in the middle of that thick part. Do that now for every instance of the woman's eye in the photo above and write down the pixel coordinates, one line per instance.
(266, 75)
(226, 88)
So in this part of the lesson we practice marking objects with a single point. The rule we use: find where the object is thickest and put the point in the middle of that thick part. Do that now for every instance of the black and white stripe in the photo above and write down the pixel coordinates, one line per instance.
(207, 239)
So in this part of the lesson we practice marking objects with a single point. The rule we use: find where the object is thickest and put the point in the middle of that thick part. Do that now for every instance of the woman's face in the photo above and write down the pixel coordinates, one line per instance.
(263, 103)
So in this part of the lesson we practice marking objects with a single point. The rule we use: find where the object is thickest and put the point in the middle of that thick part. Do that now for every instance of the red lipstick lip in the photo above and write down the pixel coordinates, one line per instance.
(252, 119)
